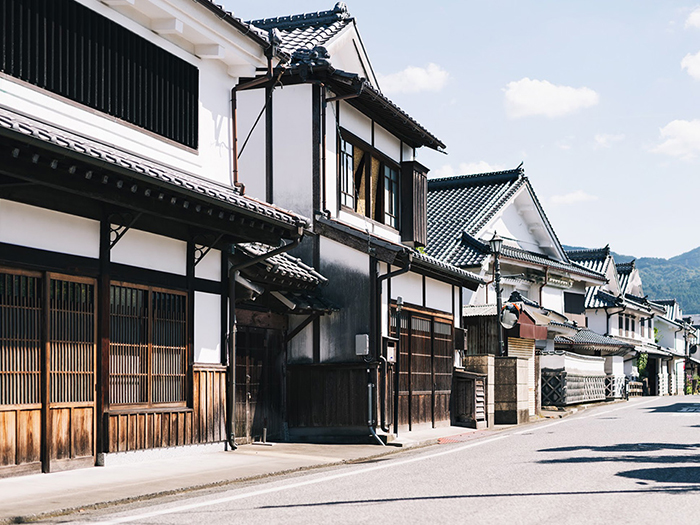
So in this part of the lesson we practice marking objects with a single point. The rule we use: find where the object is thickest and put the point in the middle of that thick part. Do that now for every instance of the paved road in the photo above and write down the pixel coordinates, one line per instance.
(633, 462)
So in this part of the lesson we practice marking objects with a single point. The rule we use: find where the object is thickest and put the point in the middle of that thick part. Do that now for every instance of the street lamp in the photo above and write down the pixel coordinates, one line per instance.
(496, 244)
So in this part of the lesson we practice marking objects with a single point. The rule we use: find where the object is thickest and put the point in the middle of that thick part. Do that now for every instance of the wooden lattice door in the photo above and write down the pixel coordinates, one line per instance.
(71, 370)
(47, 372)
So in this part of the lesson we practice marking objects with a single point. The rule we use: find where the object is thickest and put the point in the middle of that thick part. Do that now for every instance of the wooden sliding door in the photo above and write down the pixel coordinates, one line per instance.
(47, 372)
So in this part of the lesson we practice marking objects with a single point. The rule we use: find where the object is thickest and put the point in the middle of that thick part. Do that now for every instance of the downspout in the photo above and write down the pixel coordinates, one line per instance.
(234, 271)
(546, 281)
(385, 366)
(607, 318)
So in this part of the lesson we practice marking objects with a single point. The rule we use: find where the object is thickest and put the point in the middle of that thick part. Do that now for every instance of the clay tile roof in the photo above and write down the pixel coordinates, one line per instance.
(15, 124)
(306, 30)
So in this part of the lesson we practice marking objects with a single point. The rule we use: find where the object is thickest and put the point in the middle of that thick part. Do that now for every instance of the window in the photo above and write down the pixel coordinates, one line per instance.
(620, 323)
(148, 346)
(642, 328)
(369, 184)
(574, 303)
(634, 328)
(391, 196)
(627, 325)
(65, 48)
(347, 174)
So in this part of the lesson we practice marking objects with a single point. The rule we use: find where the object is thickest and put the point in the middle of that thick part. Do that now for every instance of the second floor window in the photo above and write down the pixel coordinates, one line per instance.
(347, 174)
(369, 183)
(391, 196)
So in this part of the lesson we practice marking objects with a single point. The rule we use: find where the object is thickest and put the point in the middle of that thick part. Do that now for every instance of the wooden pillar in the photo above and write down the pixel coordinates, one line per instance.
(103, 307)
(190, 320)
(46, 437)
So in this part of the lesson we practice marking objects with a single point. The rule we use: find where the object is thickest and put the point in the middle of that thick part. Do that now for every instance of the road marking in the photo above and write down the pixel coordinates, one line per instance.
(270, 490)
(340, 475)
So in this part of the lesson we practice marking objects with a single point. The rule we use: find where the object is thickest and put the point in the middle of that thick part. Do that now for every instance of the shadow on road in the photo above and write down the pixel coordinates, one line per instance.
(627, 447)
(627, 459)
(665, 474)
(676, 407)
(665, 490)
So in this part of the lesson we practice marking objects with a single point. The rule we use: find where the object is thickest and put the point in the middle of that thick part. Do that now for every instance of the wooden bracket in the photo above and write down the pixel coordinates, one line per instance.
(119, 224)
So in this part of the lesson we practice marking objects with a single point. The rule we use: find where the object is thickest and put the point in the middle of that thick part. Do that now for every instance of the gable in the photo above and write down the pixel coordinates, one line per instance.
(348, 54)
(522, 224)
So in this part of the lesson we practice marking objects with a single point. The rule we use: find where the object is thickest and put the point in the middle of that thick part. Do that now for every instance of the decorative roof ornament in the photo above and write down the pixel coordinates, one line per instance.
(305, 60)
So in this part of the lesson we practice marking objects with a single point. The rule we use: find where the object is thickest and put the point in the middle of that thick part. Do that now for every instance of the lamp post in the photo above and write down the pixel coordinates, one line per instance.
(496, 243)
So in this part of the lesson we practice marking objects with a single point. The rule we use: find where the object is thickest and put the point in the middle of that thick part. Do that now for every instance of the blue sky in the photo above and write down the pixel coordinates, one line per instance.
(599, 99)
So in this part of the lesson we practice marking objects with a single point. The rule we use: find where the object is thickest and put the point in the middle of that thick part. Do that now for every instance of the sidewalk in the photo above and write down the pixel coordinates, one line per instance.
(25, 498)
(28, 497)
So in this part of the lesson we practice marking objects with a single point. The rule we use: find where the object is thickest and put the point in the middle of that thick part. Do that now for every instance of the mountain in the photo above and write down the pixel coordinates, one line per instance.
(675, 278)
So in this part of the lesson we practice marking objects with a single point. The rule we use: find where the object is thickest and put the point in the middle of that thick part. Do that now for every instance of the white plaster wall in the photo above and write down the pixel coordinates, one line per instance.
(596, 322)
(614, 365)
(251, 163)
(364, 224)
(407, 152)
(553, 298)
(355, 122)
(344, 54)
(409, 286)
(34, 227)
(332, 203)
(572, 362)
(209, 267)
(438, 295)
(293, 149)
(387, 143)
(631, 368)
(510, 224)
(148, 250)
(207, 328)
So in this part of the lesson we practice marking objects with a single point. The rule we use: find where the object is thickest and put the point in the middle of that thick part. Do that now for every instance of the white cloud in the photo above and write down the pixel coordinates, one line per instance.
(466, 168)
(693, 19)
(605, 140)
(415, 80)
(572, 198)
(691, 63)
(681, 138)
(525, 98)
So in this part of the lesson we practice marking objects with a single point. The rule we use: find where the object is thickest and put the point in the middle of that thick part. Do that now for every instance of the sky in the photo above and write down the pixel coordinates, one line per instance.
(599, 99)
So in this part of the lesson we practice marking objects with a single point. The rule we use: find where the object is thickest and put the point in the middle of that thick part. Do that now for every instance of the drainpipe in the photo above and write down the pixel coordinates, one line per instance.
(232, 328)
(385, 366)
(546, 281)
(608, 315)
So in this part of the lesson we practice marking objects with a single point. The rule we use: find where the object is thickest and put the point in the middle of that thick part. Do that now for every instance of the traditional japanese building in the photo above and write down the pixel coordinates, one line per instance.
(464, 213)
(322, 139)
(125, 242)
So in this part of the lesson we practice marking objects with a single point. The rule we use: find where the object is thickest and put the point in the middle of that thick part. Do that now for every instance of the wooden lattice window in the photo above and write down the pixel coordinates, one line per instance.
(72, 329)
(21, 306)
(148, 355)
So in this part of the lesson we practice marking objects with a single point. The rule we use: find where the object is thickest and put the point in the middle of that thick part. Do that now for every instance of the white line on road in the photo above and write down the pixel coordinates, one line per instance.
(357, 472)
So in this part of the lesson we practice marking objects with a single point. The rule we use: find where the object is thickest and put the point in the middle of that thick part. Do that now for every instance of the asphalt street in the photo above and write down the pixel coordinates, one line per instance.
(635, 462)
